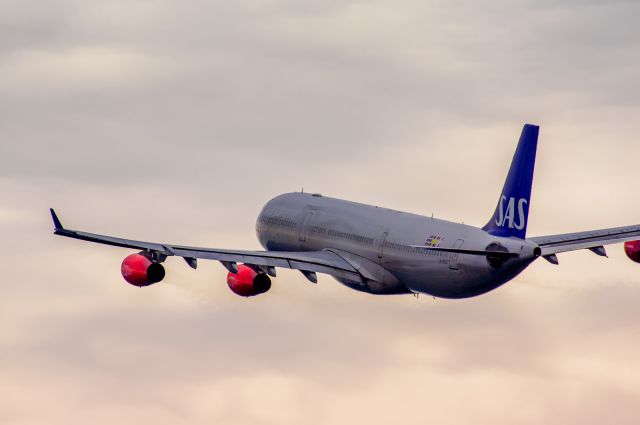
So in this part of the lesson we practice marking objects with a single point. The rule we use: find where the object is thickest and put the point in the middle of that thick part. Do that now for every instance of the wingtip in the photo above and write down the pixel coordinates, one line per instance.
(56, 220)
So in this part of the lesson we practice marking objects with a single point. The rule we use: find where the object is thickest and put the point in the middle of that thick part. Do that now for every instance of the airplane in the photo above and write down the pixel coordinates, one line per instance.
(381, 251)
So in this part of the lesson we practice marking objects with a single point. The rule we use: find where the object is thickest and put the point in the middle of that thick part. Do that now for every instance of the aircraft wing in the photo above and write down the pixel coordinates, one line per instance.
(326, 262)
(594, 239)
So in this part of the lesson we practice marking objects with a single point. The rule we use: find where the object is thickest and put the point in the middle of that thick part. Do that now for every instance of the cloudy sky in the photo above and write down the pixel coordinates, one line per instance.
(176, 121)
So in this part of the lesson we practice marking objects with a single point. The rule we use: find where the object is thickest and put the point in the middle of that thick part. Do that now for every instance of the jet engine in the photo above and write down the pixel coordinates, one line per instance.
(140, 271)
(632, 249)
(247, 282)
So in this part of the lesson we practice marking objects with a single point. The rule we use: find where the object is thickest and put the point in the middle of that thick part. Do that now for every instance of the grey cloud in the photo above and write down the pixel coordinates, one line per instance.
(253, 83)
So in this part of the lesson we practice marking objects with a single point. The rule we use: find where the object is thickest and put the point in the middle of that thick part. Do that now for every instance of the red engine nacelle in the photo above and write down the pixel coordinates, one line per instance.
(632, 249)
(139, 271)
(247, 282)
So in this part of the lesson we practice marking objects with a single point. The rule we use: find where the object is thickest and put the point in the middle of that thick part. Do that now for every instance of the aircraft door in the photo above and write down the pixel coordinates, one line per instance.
(303, 231)
(383, 240)
(453, 257)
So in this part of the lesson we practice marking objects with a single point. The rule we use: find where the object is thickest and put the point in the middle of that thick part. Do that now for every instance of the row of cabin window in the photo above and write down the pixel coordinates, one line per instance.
(278, 221)
(414, 250)
(351, 236)
(317, 229)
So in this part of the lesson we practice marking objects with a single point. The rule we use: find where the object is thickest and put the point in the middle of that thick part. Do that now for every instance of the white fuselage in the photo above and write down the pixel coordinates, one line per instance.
(308, 222)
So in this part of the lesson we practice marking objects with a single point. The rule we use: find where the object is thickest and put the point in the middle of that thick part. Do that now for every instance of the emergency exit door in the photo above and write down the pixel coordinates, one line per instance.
(454, 256)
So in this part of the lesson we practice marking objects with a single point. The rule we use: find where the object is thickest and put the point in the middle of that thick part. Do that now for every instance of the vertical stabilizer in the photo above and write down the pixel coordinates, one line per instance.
(512, 213)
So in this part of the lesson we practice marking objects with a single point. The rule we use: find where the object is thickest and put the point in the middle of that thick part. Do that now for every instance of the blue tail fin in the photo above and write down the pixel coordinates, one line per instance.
(512, 213)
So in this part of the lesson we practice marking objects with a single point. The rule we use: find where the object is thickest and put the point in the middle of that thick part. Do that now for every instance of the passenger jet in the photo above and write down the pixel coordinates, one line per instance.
(381, 251)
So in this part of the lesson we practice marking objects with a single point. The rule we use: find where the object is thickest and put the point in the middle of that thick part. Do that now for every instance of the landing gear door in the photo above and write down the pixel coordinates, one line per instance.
(453, 257)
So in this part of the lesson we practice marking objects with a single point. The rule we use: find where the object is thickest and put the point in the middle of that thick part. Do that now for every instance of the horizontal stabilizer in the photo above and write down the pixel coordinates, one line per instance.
(594, 240)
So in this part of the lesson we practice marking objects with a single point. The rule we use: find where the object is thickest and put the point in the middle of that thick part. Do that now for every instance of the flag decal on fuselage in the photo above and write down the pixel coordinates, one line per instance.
(434, 241)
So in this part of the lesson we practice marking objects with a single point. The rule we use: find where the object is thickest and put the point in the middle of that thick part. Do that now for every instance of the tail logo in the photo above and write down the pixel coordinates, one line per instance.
(507, 217)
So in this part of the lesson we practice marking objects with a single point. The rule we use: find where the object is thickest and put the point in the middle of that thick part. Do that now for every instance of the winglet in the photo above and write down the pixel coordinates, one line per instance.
(56, 220)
